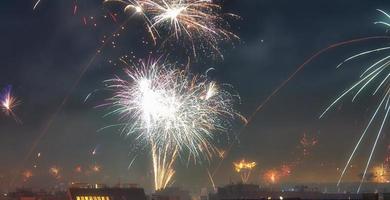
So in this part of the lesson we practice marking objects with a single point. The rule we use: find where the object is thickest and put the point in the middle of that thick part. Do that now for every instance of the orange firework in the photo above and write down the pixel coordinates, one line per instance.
(272, 176)
(78, 169)
(381, 174)
(27, 175)
(244, 168)
(96, 168)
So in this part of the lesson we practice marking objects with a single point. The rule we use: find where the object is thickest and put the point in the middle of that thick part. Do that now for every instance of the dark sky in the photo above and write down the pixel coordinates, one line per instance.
(43, 52)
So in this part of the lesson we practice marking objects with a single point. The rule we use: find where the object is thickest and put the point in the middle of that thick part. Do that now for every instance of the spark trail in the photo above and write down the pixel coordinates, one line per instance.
(374, 78)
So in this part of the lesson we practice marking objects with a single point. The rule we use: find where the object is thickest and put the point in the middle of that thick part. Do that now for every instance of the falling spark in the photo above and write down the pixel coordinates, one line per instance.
(376, 76)
(244, 168)
(211, 180)
(36, 4)
(163, 161)
(166, 107)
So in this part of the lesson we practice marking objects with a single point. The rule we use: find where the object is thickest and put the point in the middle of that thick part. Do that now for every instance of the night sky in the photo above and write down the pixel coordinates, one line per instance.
(43, 53)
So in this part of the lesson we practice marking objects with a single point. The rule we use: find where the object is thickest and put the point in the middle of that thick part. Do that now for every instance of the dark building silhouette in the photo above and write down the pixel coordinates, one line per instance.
(28, 194)
(173, 193)
(254, 192)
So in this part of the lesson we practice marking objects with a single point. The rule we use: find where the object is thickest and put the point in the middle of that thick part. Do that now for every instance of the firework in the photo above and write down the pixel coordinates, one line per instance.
(381, 174)
(244, 168)
(172, 107)
(198, 22)
(307, 143)
(272, 176)
(55, 172)
(9, 102)
(27, 175)
(36, 4)
(163, 161)
(96, 168)
(173, 111)
(78, 169)
(375, 77)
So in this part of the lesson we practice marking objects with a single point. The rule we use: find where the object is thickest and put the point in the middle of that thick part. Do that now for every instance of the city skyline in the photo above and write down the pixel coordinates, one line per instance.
(46, 50)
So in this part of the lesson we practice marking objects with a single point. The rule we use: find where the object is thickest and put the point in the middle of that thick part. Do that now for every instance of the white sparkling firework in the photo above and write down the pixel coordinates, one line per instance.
(375, 77)
(173, 111)
(197, 22)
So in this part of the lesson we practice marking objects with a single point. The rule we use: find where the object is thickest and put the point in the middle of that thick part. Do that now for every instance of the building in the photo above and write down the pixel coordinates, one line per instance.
(254, 192)
(28, 194)
(173, 193)
(101, 192)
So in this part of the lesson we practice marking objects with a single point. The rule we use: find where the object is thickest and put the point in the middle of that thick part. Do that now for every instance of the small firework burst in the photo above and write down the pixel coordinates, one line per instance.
(55, 172)
(27, 174)
(244, 168)
(272, 176)
(8, 102)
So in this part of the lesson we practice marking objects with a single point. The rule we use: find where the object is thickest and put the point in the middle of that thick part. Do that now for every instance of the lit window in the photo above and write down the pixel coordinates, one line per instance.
(107, 198)
(99, 198)
(77, 198)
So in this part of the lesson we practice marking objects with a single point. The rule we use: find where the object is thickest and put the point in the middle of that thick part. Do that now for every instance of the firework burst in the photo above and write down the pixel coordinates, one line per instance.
(244, 168)
(9, 102)
(381, 174)
(27, 175)
(173, 111)
(197, 22)
(272, 176)
(55, 172)
(375, 78)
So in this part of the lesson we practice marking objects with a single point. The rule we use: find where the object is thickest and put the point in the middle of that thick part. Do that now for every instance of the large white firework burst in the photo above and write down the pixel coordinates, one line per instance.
(172, 107)
(173, 111)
